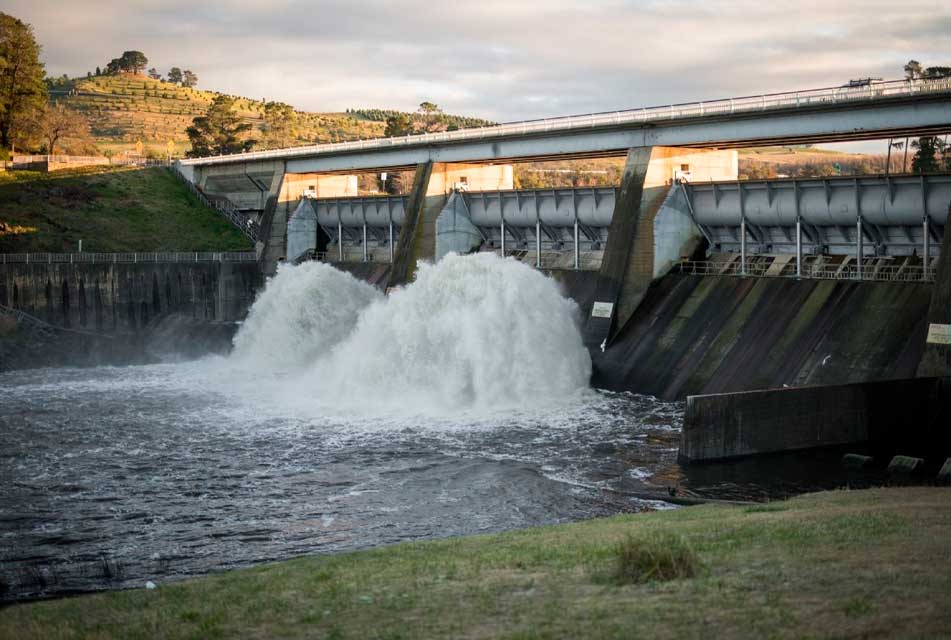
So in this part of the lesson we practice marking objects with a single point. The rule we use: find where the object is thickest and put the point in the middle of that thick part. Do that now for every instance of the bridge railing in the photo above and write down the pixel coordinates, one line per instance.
(222, 205)
(128, 258)
(758, 269)
(764, 102)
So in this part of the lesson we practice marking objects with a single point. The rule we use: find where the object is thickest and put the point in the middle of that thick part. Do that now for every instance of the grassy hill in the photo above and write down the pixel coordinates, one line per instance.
(127, 109)
(110, 211)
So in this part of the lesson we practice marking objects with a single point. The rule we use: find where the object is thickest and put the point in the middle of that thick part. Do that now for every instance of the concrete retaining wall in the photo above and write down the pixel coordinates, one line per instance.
(122, 297)
(910, 417)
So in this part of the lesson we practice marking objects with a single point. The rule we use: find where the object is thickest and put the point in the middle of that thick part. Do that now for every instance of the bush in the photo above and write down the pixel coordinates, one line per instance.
(654, 557)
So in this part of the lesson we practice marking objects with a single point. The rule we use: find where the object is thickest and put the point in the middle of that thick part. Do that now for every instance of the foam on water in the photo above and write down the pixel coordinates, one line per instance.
(473, 333)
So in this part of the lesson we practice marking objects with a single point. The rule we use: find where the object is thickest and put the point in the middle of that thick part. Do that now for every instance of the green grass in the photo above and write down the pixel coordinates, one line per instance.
(832, 565)
(110, 210)
(655, 556)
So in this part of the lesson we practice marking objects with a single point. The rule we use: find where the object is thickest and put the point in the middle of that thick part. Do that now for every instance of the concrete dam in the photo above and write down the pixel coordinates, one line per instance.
(689, 281)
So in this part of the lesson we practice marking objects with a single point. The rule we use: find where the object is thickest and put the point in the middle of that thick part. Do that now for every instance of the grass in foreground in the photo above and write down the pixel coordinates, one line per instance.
(110, 209)
(843, 564)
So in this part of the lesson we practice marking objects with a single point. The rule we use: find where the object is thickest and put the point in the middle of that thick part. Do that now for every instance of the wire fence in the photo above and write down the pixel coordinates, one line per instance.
(27, 161)
(766, 102)
(128, 258)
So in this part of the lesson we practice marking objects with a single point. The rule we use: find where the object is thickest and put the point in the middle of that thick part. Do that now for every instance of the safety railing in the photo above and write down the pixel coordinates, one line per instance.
(765, 102)
(128, 258)
(770, 269)
(225, 207)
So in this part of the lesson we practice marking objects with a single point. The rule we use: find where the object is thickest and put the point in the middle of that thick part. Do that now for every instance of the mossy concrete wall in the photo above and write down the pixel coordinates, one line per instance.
(695, 335)
(126, 297)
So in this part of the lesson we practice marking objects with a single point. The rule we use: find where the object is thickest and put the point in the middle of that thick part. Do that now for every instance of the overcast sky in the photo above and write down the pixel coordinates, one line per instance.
(503, 60)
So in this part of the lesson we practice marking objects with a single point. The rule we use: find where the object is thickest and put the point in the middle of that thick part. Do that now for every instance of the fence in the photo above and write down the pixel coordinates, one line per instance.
(766, 102)
(851, 271)
(47, 161)
(127, 258)
(225, 207)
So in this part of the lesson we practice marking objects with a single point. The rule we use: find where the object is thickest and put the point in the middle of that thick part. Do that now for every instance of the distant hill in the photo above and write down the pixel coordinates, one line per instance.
(126, 109)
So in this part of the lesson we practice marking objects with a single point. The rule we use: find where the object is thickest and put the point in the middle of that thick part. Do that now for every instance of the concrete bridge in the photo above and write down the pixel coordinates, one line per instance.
(462, 197)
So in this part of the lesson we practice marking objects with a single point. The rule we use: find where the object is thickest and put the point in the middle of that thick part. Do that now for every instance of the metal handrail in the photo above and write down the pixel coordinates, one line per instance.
(851, 271)
(128, 258)
(765, 102)
(222, 205)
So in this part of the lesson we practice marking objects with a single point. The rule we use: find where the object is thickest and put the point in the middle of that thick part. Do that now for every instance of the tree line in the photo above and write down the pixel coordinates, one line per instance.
(384, 115)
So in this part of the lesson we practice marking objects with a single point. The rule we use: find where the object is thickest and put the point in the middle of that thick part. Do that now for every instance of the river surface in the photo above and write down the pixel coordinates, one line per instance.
(115, 476)
(343, 419)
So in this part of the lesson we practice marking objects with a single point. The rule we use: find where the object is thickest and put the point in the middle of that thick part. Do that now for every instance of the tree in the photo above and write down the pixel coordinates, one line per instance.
(22, 89)
(189, 78)
(219, 131)
(175, 75)
(133, 61)
(912, 70)
(56, 122)
(432, 115)
(925, 159)
(400, 124)
(98, 71)
(280, 122)
(155, 75)
(114, 67)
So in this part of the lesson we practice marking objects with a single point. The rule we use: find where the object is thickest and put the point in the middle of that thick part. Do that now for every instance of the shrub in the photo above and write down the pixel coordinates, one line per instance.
(654, 557)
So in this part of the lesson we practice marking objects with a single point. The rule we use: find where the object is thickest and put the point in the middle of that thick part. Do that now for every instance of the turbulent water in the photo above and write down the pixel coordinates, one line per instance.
(343, 419)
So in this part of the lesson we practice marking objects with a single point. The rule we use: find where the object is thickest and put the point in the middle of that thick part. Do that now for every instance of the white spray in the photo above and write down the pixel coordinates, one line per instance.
(302, 313)
(471, 333)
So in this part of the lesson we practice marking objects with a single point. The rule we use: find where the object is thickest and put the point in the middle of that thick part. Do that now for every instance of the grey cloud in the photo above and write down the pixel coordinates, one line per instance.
(500, 59)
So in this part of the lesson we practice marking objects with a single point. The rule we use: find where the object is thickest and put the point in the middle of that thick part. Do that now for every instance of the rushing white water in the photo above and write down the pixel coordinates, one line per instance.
(303, 312)
(473, 332)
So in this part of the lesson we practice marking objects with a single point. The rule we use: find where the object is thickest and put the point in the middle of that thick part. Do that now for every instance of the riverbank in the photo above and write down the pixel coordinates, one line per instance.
(835, 564)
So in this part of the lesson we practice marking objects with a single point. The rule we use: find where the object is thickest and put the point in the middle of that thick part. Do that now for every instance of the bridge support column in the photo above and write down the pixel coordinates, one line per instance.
(936, 359)
(630, 260)
(433, 183)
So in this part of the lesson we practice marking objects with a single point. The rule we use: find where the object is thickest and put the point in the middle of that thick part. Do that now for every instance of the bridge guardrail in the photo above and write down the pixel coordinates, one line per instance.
(745, 104)
(128, 258)
(757, 269)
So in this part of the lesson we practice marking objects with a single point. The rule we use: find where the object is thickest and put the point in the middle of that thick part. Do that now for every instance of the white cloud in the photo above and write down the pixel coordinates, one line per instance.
(500, 59)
